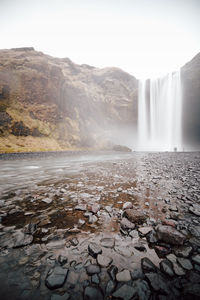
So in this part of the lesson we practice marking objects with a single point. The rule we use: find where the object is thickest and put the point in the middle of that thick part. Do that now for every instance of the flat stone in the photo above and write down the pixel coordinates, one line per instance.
(93, 269)
(127, 205)
(157, 282)
(123, 276)
(135, 216)
(103, 260)
(134, 234)
(194, 230)
(178, 270)
(183, 251)
(145, 230)
(92, 293)
(196, 259)
(94, 249)
(126, 224)
(170, 235)
(110, 287)
(56, 277)
(81, 207)
(57, 244)
(47, 200)
(107, 242)
(167, 267)
(147, 265)
(124, 251)
(185, 263)
(125, 292)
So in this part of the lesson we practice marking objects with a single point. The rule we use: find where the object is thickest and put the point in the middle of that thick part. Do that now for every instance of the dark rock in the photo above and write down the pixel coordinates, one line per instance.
(94, 250)
(15, 240)
(65, 296)
(194, 230)
(152, 237)
(162, 251)
(142, 290)
(137, 274)
(135, 216)
(112, 271)
(56, 277)
(185, 263)
(167, 267)
(170, 235)
(111, 285)
(140, 247)
(30, 228)
(95, 279)
(158, 282)
(184, 251)
(125, 292)
(148, 266)
(93, 269)
(92, 293)
(74, 241)
(196, 259)
(62, 260)
(191, 291)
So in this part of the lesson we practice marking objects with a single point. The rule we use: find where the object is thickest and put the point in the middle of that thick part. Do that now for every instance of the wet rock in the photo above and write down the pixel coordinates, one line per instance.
(126, 224)
(145, 230)
(184, 251)
(142, 290)
(178, 270)
(125, 292)
(72, 278)
(170, 235)
(137, 274)
(15, 240)
(196, 259)
(185, 263)
(135, 216)
(123, 276)
(92, 293)
(127, 205)
(65, 296)
(162, 251)
(92, 219)
(167, 267)
(147, 265)
(94, 208)
(140, 247)
(191, 291)
(94, 249)
(194, 230)
(95, 279)
(93, 269)
(112, 271)
(56, 277)
(158, 282)
(107, 242)
(104, 261)
(111, 285)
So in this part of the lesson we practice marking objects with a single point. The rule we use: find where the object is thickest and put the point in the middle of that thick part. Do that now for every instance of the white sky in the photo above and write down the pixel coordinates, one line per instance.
(146, 38)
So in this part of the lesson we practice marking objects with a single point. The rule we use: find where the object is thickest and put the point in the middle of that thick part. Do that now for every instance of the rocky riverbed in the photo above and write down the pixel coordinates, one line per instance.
(114, 226)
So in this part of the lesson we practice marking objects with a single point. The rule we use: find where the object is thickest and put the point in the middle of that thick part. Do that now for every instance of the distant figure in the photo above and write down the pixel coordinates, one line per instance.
(175, 149)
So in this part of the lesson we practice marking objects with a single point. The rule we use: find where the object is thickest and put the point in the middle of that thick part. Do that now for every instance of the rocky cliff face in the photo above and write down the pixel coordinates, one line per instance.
(190, 75)
(49, 103)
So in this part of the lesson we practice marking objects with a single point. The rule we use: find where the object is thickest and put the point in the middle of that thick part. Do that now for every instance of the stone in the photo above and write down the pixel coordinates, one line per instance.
(15, 240)
(47, 200)
(94, 250)
(178, 270)
(72, 278)
(126, 224)
(62, 259)
(107, 242)
(81, 207)
(162, 251)
(30, 228)
(170, 235)
(196, 259)
(185, 263)
(74, 241)
(145, 230)
(151, 237)
(195, 211)
(135, 216)
(65, 296)
(93, 269)
(194, 230)
(104, 261)
(158, 282)
(119, 189)
(92, 219)
(94, 208)
(147, 265)
(142, 290)
(167, 267)
(125, 292)
(108, 209)
(133, 234)
(127, 205)
(173, 208)
(95, 279)
(56, 277)
(123, 276)
(92, 293)
(81, 222)
(191, 291)
(183, 251)
(110, 287)
(140, 247)
(112, 271)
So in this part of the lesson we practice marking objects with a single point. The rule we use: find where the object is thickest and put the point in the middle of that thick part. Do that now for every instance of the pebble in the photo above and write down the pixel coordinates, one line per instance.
(123, 276)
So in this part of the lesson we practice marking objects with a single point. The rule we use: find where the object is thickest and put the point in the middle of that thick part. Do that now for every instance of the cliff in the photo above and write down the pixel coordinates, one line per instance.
(50, 103)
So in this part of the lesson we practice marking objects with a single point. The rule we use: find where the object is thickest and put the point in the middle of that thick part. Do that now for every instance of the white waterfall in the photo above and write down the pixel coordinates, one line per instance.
(160, 113)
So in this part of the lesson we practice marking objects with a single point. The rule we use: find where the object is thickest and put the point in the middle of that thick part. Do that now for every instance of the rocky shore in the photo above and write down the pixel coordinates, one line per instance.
(125, 228)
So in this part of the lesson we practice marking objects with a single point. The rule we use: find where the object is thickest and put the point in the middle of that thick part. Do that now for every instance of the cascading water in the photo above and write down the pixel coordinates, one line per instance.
(160, 113)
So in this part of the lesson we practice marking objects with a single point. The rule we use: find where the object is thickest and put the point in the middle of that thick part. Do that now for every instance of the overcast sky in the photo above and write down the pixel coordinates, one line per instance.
(146, 38)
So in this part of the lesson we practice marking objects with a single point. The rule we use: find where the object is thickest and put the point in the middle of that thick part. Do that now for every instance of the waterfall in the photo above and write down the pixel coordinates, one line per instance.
(160, 113)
